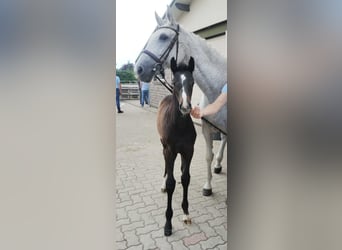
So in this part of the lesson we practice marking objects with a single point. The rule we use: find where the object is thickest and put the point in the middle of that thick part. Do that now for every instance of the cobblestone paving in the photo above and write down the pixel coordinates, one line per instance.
(140, 205)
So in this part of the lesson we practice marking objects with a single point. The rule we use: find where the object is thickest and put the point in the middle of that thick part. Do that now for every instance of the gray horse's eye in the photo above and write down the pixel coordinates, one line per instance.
(163, 37)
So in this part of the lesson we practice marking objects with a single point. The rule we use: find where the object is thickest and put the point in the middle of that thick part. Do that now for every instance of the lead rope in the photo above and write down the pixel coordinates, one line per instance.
(177, 44)
(221, 131)
(165, 84)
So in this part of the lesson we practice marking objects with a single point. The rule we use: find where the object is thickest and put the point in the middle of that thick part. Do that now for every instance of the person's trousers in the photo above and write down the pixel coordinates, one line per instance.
(118, 99)
(141, 98)
(144, 97)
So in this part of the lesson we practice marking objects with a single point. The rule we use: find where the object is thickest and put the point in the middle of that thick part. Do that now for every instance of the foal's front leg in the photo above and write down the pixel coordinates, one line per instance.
(170, 157)
(186, 160)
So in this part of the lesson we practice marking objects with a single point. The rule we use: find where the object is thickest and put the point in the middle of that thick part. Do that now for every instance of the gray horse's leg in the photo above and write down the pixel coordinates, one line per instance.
(219, 155)
(207, 189)
(206, 131)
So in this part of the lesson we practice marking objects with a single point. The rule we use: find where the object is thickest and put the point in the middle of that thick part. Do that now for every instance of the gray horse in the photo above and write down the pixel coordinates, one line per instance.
(171, 40)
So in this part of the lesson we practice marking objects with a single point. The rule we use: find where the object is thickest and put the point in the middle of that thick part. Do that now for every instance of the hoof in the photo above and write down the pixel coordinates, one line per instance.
(186, 220)
(167, 232)
(217, 170)
(207, 192)
(168, 229)
(163, 190)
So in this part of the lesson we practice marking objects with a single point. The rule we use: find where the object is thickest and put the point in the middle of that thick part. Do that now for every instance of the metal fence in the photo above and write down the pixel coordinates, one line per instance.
(130, 91)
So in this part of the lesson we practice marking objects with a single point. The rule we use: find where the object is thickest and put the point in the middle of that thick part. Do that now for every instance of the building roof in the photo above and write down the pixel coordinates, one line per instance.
(209, 30)
(174, 5)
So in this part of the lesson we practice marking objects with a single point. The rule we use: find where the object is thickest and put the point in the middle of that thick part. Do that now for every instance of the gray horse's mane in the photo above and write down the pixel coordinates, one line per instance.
(211, 52)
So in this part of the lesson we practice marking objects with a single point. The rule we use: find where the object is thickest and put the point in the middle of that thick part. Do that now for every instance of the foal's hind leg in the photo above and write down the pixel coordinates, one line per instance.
(219, 155)
(170, 187)
(186, 160)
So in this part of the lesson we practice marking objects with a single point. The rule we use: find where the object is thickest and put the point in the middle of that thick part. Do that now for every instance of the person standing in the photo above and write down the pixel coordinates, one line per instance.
(145, 89)
(140, 92)
(118, 93)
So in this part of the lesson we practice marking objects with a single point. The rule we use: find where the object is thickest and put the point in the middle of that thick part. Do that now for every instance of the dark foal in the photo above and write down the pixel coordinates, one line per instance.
(177, 135)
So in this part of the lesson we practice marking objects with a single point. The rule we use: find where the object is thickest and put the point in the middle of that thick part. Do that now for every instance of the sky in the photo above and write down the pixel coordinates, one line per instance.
(135, 21)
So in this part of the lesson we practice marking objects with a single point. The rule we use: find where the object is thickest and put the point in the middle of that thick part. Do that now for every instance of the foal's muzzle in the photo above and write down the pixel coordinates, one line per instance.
(185, 110)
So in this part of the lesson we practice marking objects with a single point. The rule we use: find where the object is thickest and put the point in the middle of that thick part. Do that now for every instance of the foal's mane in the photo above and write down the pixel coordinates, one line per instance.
(181, 67)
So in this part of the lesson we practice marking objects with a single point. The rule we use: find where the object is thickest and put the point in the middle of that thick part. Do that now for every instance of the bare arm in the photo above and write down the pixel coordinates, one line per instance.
(211, 108)
(214, 107)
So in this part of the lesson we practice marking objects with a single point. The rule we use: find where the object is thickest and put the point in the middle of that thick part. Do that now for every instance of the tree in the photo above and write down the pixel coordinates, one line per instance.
(126, 75)
(128, 66)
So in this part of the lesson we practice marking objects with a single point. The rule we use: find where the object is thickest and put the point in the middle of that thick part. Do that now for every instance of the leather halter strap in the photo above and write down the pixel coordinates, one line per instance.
(160, 60)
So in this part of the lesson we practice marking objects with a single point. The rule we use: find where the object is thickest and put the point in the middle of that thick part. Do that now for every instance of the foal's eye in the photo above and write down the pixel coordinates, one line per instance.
(163, 37)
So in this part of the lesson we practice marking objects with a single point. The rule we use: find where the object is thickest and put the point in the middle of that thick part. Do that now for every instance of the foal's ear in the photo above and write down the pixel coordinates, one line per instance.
(191, 65)
(173, 64)
(160, 21)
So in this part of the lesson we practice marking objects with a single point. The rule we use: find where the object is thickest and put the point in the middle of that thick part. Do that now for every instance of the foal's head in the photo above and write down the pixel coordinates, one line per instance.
(183, 83)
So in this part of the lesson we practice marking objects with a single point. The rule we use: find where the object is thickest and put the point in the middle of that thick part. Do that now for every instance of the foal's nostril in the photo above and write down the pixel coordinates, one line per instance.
(140, 70)
(184, 110)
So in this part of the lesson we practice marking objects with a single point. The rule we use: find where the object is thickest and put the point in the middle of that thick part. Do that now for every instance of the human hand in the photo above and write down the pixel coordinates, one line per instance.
(196, 112)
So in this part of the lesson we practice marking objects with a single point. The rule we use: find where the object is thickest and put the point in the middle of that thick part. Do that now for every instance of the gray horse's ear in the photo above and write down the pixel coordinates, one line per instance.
(169, 16)
(173, 64)
(191, 64)
(160, 21)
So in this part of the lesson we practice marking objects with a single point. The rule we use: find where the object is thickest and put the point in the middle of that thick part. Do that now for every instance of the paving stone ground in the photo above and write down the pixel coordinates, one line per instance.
(140, 205)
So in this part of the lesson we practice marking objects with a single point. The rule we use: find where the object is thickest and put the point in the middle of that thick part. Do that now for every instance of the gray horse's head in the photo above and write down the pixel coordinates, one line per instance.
(160, 47)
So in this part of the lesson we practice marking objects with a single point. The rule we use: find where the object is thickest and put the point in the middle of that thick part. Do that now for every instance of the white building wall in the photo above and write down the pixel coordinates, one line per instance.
(203, 13)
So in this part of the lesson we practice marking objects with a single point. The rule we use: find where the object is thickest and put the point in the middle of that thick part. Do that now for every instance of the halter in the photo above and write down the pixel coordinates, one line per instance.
(158, 68)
